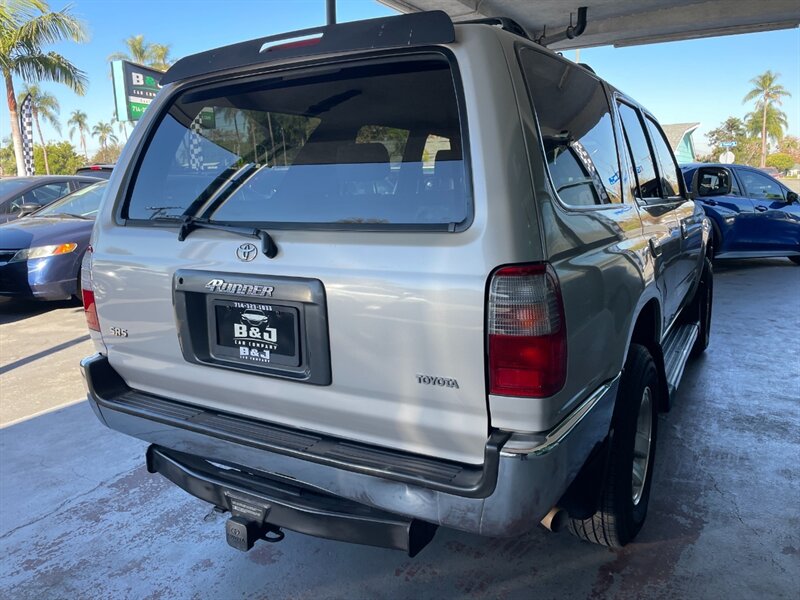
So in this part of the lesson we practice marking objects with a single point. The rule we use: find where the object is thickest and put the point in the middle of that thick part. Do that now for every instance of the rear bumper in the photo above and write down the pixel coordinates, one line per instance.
(283, 504)
(506, 496)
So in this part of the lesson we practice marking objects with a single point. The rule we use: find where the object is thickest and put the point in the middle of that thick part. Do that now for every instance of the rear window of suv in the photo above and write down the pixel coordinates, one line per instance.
(343, 146)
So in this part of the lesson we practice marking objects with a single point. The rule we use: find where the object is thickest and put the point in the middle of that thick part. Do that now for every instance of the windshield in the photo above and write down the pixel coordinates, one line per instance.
(8, 186)
(83, 203)
(377, 144)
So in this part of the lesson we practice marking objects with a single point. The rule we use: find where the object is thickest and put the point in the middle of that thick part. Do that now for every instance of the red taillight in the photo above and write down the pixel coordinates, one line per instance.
(90, 310)
(87, 293)
(527, 333)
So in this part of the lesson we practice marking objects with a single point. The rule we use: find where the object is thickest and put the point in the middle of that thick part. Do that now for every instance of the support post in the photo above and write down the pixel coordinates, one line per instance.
(331, 11)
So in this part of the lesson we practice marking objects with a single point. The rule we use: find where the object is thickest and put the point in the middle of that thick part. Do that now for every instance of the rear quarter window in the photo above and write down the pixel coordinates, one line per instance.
(344, 148)
(576, 127)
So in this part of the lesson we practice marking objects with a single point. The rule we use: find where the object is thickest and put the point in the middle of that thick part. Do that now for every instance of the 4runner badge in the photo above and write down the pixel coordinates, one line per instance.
(239, 289)
(246, 252)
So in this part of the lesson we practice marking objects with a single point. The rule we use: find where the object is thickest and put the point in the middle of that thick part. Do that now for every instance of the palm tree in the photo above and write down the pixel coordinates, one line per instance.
(104, 133)
(767, 93)
(46, 106)
(160, 57)
(155, 56)
(26, 26)
(772, 121)
(121, 127)
(80, 122)
(138, 50)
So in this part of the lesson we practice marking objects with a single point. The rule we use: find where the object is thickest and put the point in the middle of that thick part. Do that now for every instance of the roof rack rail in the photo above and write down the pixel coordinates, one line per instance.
(401, 31)
(504, 23)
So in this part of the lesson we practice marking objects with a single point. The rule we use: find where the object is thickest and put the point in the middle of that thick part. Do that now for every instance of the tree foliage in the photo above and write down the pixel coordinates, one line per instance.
(26, 27)
(779, 160)
(790, 144)
(766, 118)
(149, 54)
(104, 133)
(79, 121)
(108, 155)
(62, 158)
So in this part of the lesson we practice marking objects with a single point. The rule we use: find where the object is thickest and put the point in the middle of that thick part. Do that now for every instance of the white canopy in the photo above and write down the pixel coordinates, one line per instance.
(623, 22)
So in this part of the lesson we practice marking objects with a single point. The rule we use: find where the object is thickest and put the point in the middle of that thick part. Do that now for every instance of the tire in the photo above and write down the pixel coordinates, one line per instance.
(624, 496)
(78, 295)
(704, 302)
(794, 259)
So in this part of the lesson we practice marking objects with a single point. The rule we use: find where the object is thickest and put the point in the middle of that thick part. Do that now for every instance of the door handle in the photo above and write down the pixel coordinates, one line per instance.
(655, 247)
(761, 208)
(711, 202)
(684, 230)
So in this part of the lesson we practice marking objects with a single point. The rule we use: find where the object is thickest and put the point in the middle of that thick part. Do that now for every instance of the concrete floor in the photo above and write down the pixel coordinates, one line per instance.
(81, 518)
(40, 342)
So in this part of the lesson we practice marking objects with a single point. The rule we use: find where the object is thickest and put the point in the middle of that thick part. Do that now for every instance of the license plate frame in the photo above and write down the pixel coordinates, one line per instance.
(254, 334)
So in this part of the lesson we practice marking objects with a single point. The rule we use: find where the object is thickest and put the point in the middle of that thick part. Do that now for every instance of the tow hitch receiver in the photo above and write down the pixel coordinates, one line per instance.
(243, 534)
(248, 523)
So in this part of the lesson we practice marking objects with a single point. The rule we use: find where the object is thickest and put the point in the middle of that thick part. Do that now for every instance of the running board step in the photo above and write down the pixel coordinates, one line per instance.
(677, 347)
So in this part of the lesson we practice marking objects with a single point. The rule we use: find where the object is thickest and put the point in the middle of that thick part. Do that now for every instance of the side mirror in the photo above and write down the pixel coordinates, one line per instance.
(28, 208)
(792, 197)
(711, 181)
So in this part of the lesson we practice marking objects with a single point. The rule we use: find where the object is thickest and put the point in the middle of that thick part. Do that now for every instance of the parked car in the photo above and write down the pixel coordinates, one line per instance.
(40, 255)
(102, 171)
(23, 195)
(753, 215)
(481, 345)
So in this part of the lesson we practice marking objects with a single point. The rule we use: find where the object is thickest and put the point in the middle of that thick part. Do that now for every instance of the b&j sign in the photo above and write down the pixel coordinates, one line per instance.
(135, 87)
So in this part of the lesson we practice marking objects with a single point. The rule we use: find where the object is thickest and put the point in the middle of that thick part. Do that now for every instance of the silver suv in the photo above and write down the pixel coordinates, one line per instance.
(396, 275)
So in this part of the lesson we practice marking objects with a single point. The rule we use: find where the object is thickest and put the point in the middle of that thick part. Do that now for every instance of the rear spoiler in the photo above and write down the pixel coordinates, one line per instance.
(414, 29)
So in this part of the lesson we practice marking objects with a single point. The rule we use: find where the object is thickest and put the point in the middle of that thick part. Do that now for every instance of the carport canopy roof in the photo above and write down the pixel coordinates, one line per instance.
(623, 22)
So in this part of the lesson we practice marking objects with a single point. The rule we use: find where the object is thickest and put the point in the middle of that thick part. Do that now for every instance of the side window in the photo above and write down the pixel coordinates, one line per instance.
(760, 186)
(577, 132)
(13, 206)
(643, 162)
(670, 174)
(49, 193)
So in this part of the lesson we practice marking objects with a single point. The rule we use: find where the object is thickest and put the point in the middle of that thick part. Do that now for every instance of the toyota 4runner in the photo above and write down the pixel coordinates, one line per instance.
(393, 275)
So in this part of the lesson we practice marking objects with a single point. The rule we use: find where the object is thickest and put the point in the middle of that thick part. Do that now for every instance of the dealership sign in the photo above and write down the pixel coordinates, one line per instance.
(135, 87)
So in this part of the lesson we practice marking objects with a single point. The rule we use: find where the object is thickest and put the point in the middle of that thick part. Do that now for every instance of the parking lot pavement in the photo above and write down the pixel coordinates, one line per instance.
(41, 344)
(81, 517)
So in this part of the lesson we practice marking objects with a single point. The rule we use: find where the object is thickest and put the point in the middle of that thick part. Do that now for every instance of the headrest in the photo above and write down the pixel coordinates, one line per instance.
(446, 155)
(370, 152)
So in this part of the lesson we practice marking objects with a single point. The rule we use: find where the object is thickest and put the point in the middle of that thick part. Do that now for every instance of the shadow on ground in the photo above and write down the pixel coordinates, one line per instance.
(13, 310)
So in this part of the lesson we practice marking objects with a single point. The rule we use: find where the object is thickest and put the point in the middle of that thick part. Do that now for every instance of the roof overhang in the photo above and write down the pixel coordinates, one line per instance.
(623, 22)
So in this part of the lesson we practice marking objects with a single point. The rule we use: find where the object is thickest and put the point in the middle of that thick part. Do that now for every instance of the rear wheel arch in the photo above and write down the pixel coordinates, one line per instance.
(647, 332)
(715, 239)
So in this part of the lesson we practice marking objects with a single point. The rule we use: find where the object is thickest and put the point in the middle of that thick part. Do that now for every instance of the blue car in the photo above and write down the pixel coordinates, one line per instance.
(752, 215)
(40, 255)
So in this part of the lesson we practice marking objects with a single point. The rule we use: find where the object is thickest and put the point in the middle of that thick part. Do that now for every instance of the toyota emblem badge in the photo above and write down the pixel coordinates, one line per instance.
(246, 252)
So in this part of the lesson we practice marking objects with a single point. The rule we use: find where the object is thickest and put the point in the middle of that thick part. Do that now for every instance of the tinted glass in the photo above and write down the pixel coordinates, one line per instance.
(9, 186)
(577, 132)
(83, 203)
(46, 194)
(666, 162)
(760, 186)
(344, 147)
(644, 164)
(101, 173)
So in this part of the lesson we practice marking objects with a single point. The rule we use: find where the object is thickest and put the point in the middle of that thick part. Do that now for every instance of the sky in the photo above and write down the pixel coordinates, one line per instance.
(692, 81)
